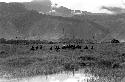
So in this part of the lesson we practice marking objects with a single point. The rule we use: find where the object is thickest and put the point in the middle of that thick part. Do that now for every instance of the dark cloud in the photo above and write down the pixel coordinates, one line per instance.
(116, 10)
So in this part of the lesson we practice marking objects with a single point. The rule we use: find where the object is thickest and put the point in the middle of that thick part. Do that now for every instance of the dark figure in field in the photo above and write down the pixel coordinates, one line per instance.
(71, 46)
(117, 65)
(57, 48)
(115, 41)
(37, 47)
(65, 47)
(41, 47)
(78, 47)
(86, 47)
(51, 48)
(92, 47)
(32, 48)
(68, 46)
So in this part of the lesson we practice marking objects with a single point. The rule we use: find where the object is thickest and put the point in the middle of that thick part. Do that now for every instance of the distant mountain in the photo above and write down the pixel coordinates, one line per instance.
(115, 24)
(22, 23)
(27, 21)
(46, 7)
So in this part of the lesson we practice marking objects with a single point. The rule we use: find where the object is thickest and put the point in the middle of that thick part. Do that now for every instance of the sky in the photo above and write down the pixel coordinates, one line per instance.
(15, 1)
(85, 5)
(91, 5)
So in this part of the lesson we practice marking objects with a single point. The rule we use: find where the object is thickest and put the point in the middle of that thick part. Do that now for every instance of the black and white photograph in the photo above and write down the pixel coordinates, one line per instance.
(62, 40)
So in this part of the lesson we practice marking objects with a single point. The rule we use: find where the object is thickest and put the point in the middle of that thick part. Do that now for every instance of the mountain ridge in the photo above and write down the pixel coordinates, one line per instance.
(23, 23)
(29, 24)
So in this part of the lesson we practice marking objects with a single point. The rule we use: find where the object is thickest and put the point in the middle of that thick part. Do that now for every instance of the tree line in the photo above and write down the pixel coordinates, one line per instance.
(89, 41)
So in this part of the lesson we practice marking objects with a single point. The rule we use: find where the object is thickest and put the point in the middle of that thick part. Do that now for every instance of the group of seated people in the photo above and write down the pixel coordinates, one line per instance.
(63, 47)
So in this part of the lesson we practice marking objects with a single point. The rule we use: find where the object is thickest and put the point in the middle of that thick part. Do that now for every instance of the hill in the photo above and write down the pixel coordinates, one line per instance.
(115, 23)
(17, 22)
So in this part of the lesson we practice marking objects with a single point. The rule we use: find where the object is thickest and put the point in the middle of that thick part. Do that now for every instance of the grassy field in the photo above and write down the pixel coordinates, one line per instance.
(104, 60)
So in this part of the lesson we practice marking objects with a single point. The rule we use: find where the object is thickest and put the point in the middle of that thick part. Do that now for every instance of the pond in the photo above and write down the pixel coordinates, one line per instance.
(79, 76)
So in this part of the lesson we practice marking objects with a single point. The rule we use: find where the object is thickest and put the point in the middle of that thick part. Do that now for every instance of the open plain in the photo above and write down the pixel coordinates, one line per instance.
(103, 60)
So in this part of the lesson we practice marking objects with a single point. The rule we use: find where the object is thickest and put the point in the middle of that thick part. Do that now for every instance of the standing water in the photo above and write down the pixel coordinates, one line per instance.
(79, 76)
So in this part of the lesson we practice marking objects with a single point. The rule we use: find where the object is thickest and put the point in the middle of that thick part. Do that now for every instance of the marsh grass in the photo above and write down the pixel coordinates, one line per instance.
(26, 63)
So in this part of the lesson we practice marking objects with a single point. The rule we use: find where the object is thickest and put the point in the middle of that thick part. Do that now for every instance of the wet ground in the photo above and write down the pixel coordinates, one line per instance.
(78, 76)
(105, 63)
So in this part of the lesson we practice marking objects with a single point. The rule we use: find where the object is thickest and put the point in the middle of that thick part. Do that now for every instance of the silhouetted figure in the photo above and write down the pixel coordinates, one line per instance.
(73, 47)
(57, 48)
(32, 48)
(65, 47)
(115, 41)
(117, 65)
(78, 47)
(37, 47)
(41, 47)
(51, 48)
(86, 47)
(68, 46)
(92, 47)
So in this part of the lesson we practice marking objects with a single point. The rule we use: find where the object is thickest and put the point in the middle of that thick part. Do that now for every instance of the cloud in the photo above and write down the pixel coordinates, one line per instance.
(89, 5)
(15, 1)
(115, 10)
(85, 5)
